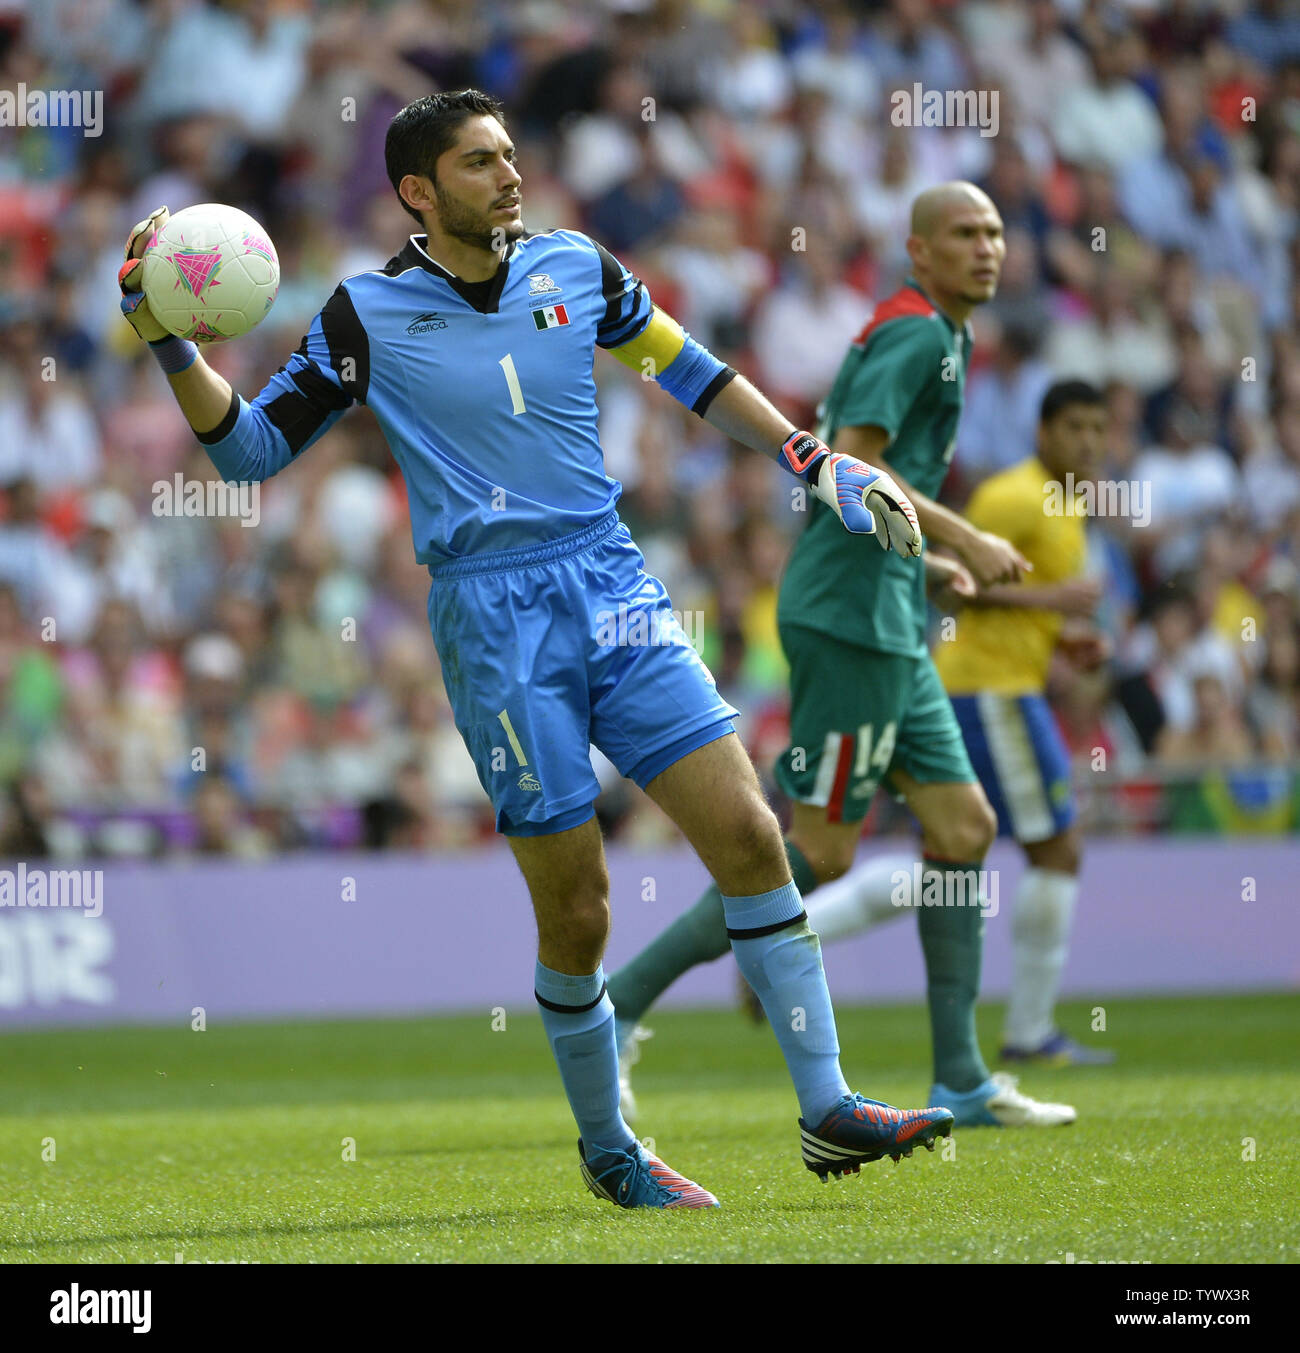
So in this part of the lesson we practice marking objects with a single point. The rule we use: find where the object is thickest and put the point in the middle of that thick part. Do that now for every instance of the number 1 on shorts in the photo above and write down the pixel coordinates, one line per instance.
(513, 736)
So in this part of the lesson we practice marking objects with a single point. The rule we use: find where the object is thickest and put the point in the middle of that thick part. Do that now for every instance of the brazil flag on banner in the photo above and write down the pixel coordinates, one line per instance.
(1262, 801)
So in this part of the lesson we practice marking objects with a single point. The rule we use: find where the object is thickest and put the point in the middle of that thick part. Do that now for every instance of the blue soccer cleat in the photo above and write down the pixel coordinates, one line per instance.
(997, 1103)
(633, 1177)
(1059, 1050)
(858, 1130)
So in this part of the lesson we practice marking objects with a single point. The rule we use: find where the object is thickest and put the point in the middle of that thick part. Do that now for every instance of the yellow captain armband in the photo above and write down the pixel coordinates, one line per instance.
(660, 342)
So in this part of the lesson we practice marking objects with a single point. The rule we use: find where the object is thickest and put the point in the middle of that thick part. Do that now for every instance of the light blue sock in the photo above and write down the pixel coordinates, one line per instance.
(578, 1018)
(781, 958)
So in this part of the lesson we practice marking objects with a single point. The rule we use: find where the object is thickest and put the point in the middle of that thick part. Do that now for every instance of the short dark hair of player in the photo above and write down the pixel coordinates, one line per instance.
(1064, 394)
(425, 129)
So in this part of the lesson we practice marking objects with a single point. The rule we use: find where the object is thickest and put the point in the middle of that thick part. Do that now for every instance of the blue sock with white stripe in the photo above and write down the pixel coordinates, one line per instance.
(578, 1017)
(781, 958)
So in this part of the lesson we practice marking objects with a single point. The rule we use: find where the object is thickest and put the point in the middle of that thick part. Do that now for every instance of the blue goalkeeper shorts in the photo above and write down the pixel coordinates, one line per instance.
(1021, 760)
(550, 648)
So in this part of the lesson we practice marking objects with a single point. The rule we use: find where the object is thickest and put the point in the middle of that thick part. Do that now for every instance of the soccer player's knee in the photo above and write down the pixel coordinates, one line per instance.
(967, 835)
(830, 848)
(1072, 860)
(834, 858)
(575, 925)
(589, 917)
(1061, 854)
(982, 829)
(585, 927)
(1068, 859)
(988, 825)
(754, 834)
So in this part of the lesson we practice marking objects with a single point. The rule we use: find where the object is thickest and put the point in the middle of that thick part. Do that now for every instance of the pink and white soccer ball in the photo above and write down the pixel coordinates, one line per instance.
(210, 273)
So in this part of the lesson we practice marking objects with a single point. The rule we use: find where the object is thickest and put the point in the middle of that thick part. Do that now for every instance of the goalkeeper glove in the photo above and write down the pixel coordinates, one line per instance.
(130, 279)
(866, 500)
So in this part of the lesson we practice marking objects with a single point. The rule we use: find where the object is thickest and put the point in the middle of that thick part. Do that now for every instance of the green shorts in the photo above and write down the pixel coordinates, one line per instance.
(855, 714)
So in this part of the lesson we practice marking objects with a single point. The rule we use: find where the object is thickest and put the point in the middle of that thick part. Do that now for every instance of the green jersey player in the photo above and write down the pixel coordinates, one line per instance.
(867, 706)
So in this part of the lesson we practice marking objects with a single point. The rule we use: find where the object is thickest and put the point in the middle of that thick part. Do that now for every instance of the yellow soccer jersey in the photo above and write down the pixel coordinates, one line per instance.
(1006, 649)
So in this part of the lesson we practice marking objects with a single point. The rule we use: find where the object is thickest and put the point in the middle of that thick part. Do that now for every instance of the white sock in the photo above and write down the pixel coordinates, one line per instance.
(859, 900)
(1040, 934)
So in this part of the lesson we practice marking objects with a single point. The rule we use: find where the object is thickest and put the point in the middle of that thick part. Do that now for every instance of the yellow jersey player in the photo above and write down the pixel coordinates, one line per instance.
(995, 669)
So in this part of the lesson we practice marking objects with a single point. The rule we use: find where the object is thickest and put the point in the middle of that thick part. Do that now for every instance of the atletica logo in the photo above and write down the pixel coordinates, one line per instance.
(530, 782)
(73, 1306)
(426, 324)
(638, 628)
(1126, 498)
(23, 887)
(919, 107)
(928, 887)
(25, 107)
(181, 497)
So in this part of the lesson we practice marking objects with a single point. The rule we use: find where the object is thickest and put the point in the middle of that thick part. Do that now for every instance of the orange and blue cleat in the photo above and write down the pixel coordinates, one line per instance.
(858, 1130)
(633, 1177)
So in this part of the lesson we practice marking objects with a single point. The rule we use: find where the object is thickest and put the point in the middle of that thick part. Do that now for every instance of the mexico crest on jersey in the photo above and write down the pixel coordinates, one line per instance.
(550, 316)
(538, 282)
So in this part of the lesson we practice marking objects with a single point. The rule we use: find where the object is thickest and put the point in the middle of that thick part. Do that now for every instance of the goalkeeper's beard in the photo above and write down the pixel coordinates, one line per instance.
(471, 227)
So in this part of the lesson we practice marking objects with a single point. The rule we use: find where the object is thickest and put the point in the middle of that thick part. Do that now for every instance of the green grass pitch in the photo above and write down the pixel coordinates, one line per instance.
(229, 1145)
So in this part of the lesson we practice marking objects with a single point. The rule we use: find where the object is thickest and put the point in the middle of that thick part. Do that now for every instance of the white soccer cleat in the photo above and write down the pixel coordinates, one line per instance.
(998, 1103)
(1011, 1108)
(629, 1054)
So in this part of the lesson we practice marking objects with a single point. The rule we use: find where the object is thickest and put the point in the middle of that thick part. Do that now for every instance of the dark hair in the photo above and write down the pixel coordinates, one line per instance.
(425, 129)
(1065, 393)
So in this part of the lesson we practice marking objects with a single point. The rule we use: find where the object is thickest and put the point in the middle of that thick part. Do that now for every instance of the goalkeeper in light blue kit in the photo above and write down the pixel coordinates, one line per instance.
(474, 349)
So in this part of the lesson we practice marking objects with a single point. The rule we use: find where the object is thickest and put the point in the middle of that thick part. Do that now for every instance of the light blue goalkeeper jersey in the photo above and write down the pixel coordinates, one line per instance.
(484, 391)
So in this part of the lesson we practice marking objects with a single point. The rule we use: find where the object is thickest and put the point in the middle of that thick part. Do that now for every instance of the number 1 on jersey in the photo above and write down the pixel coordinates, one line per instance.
(507, 364)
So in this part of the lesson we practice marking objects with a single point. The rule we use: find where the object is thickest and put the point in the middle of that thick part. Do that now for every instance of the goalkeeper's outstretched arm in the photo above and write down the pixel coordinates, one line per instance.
(989, 558)
(865, 499)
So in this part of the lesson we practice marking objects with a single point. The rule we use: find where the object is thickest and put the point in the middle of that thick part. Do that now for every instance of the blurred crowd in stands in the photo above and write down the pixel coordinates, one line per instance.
(194, 684)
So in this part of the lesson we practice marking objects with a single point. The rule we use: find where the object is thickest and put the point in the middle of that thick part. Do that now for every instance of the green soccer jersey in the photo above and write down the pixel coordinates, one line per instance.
(905, 373)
